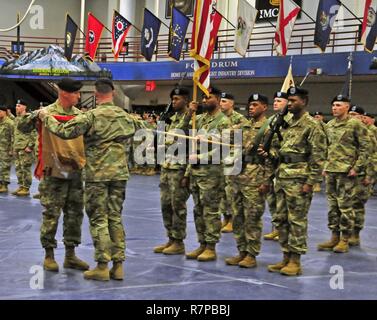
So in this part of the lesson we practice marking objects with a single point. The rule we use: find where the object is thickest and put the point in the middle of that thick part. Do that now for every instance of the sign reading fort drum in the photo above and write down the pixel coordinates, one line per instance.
(269, 9)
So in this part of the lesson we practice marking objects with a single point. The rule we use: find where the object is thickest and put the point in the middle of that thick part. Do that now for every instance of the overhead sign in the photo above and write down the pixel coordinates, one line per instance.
(268, 10)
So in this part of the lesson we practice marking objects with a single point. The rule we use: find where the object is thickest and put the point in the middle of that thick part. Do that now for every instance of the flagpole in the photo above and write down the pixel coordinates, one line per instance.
(350, 11)
(226, 19)
(308, 16)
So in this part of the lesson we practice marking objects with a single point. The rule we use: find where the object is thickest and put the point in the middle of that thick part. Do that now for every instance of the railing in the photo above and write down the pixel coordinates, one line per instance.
(344, 38)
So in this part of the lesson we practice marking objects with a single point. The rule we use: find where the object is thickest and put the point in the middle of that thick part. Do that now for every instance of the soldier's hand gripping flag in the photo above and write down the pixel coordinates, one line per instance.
(286, 21)
(121, 26)
(149, 34)
(177, 34)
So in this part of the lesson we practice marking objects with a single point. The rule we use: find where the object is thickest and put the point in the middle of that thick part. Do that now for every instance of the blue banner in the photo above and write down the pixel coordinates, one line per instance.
(149, 34)
(326, 16)
(177, 34)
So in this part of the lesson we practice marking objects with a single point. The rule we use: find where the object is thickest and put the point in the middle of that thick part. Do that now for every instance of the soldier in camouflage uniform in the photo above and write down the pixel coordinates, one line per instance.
(280, 101)
(23, 149)
(364, 181)
(206, 180)
(251, 186)
(173, 194)
(105, 130)
(346, 160)
(6, 141)
(237, 120)
(58, 194)
(301, 155)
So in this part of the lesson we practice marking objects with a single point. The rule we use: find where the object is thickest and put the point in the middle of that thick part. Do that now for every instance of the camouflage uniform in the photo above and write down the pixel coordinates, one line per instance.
(237, 120)
(105, 130)
(24, 160)
(6, 141)
(173, 196)
(348, 145)
(302, 154)
(207, 183)
(58, 194)
(249, 203)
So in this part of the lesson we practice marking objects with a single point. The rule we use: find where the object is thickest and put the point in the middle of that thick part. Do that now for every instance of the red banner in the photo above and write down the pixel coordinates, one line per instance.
(93, 35)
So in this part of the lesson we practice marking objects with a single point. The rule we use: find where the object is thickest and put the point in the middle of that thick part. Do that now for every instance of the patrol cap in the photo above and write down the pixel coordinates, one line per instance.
(340, 98)
(318, 113)
(226, 95)
(180, 91)
(104, 81)
(281, 94)
(215, 91)
(21, 101)
(258, 97)
(3, 108)
(357, 109)
(367, 114)
(69, 85)
(297, 91)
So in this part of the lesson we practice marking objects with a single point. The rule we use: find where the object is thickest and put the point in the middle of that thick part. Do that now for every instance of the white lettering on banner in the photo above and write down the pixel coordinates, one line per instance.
(270, 13)
(37, 20)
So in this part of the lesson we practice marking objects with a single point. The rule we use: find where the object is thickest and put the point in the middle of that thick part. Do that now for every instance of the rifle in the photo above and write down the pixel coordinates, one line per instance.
(275, 126)
(165, 116)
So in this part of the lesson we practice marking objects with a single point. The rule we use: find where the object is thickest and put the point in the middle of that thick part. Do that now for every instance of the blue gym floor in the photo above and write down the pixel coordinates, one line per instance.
(153, 276)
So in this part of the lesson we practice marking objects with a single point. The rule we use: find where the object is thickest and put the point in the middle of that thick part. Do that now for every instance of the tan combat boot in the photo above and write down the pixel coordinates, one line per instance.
(3, 188)
(228, 228)
(272, 235)
(354, 240)
(14, 193)
(49, 264)
(293, 268)
(161, 248)
(116, 272)
(342, 246)
(71, 261)
(248, 262)
(24, 192)
(37, 196)
(329, 245)
(100, 273)
(177, 247)
(197, 252)
(234, 261)
(280, 265)
(209, 254)
(225, 221)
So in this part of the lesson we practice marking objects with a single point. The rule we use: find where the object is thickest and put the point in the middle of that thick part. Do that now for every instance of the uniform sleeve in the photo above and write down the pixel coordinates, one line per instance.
(372, 160)
(363, 142)
(28, 122)
(71, 129)
(318, 149)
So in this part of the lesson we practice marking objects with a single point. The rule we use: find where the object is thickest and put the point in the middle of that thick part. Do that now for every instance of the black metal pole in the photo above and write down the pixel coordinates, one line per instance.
(18, 34)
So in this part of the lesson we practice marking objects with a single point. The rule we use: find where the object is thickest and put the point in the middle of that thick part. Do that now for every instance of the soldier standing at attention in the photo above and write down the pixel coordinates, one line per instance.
(60, 194)
(174, 195)
(206, 180)
(23, 148)
(346, 160)
(6, 146)
(280, 102)
(105, 130)
(237, 120)
(302, 155)
(251, 186)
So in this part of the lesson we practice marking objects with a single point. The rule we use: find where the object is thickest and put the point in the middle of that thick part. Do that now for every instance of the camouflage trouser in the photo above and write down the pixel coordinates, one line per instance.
(103, 205)
(57, 195)
(173, 203)
(271, 200)
(340, 190)
(360, 197)
(248, 207)
(291, 218)
(5, 164)
(23, 163)
(226, 201)
(207, 193)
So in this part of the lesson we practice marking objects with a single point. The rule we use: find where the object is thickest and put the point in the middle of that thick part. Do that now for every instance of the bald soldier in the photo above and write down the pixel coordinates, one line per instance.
(237, 120)
(346, 162)
(60, 192)
(105, 130)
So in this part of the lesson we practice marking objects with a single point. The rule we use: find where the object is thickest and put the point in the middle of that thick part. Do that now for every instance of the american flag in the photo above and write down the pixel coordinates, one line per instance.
(121, 27)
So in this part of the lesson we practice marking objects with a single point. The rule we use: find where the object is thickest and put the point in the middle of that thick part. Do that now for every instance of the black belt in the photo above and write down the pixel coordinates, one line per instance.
(253, 160)
(293, 158)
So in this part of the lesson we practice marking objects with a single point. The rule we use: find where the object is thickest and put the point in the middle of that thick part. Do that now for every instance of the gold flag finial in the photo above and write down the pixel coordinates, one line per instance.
(275, 2)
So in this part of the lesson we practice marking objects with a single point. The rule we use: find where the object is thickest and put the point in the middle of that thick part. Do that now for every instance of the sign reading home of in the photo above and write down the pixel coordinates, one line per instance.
(269, 9)
(186, 6)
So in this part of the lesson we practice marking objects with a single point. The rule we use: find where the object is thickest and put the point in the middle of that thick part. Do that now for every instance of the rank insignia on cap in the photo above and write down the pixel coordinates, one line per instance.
(256, 96)
(292, 90)
(340, 97)
(176, 91)
(223, 95)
